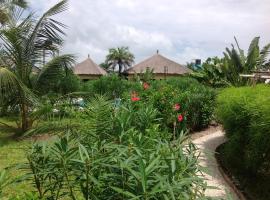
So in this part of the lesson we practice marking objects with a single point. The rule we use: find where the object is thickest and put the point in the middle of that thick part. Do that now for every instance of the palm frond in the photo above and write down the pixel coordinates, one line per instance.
(241, 52)
(9, 8)
(55, 69)
(253, 54)
(12, 88)
(47, 31)
(264, 54)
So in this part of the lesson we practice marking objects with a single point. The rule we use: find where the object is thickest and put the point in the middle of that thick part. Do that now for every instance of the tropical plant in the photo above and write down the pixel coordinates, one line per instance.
(8, 8)
(211, 73)
(226, 71)
(25, 42)
(112, 86)
(138, 167)
(120, 57)
(236, 62)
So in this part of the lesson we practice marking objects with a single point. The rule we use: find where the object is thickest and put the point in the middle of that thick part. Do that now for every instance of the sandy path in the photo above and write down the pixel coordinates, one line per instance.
(207, 144)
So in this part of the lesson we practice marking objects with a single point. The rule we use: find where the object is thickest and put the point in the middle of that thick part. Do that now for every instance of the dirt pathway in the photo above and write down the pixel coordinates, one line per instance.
(207, 143)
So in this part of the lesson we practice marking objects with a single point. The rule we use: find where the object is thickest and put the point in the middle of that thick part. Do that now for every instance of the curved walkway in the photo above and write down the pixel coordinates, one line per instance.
(207, 143)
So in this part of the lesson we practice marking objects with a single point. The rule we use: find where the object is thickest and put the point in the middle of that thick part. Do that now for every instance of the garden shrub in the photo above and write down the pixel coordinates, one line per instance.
(245, 115)
(112, 85)
(199, 100)
(136, 167)
(196, 101)
(120, 152)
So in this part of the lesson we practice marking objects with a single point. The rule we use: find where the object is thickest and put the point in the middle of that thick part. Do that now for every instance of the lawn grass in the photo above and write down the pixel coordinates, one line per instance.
(12, 153)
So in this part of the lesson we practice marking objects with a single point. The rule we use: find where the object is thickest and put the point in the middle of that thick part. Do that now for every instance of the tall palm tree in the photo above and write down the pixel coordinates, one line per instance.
(120, 57)
(7, 9)
(24, 42)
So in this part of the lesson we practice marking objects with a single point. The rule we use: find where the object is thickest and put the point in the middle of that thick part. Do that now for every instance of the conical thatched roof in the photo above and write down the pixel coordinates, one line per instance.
(88, 67)
(160, 65)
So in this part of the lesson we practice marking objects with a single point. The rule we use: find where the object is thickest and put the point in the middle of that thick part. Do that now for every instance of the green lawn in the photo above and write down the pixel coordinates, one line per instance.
(12, 152)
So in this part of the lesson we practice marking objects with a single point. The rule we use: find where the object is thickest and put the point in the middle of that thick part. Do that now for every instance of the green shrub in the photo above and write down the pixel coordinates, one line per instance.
(116, 153)
(138, 167)
(197, 101)
(113, 86)
(245, 115)
(67, 83)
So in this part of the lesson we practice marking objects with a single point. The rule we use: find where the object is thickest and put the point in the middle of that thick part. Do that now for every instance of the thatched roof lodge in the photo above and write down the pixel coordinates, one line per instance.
(162, 67)
(88, 70)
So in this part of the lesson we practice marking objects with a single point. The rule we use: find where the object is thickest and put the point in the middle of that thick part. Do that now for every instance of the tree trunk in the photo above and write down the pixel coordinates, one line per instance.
(25, 122)
(120, 68)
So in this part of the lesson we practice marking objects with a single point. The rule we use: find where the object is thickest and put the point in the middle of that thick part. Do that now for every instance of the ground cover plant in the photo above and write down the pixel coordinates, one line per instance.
(244, 113)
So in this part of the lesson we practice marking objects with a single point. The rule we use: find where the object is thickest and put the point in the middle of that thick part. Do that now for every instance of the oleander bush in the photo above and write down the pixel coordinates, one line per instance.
(245, 115)
(114, 153)
(138, 167)
(199, 100)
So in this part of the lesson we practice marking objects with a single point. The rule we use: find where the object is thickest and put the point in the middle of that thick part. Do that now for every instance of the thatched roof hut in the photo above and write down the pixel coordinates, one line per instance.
(88, 69)
(162, 67)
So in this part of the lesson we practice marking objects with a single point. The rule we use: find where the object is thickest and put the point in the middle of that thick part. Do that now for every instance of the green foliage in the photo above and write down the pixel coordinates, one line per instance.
(120, 57)
(4, 181)
(147, 76)
(115, 153)
(211, 73)
(245, 115)
(57, 76)
(139, 167)
(24, 41)
(196, 100)
(226, 71)
(97, 116)
(113, 86)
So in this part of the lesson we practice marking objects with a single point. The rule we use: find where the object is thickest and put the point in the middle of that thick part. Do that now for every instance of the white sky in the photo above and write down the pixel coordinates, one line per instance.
(181, 29)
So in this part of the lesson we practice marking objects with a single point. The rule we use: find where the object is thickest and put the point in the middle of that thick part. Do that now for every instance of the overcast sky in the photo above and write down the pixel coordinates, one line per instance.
(181, 29)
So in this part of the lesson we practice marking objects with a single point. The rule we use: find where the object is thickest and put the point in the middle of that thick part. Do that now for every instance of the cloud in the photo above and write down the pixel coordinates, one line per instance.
(182, 30)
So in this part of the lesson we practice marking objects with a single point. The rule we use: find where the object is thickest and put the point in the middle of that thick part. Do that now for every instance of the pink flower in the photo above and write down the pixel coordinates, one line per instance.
(135, 99)
(145, 85)
(180, 118)
(134, 96)
(177, 107)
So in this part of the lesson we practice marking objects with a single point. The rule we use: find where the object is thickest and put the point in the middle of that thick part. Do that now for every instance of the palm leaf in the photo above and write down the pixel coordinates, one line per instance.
(55, 69)
(241, 52)
(47, 31)
(12, 87)
(263, 56)
(253, 54)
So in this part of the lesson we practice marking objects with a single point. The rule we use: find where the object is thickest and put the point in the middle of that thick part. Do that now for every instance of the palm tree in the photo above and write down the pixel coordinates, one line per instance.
(8, 7)
(24, 42)
(120, 56)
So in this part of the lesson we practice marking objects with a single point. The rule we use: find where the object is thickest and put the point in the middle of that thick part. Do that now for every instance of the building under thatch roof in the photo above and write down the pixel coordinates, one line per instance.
(162, 67)
(88, 70)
